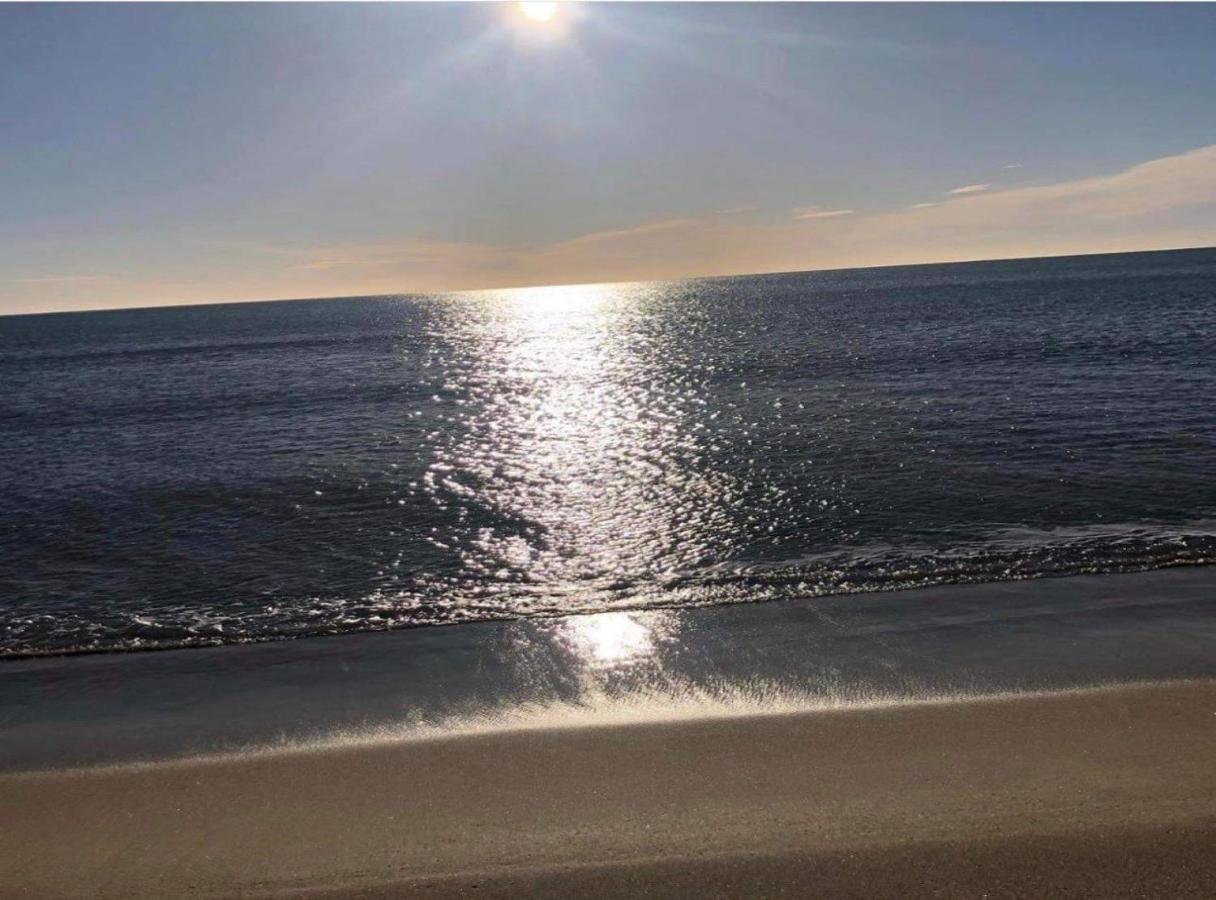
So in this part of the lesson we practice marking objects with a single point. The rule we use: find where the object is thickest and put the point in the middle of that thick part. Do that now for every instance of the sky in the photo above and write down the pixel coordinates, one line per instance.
(159, 154)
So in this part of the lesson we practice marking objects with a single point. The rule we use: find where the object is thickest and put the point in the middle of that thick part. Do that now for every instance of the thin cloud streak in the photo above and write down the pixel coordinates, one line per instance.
(815, 212)
(970, 189)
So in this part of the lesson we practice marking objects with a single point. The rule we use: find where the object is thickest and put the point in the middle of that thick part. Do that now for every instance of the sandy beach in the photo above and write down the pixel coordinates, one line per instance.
(1098, 793)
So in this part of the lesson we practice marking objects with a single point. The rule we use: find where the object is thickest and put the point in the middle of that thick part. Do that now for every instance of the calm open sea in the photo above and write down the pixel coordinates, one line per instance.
(233, 473)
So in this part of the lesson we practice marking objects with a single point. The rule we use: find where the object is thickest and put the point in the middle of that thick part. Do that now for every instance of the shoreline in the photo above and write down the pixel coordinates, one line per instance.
(648, 805)
(11, 656)
(1029, 637)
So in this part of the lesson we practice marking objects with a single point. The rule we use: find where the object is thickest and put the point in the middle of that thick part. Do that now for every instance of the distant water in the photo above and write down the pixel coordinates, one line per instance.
(232, 473)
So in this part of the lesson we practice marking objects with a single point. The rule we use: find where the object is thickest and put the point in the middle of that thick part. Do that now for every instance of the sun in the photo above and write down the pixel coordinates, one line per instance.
(538, 12)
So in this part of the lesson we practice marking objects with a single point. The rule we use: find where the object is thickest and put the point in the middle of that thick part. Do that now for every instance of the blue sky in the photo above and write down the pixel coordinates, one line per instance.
(160, 154)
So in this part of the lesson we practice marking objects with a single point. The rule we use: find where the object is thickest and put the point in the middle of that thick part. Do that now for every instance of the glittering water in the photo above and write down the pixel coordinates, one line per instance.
(216, 474)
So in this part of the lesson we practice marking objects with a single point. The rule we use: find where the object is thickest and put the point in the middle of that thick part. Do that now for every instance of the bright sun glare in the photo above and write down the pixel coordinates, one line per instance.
(539, 12)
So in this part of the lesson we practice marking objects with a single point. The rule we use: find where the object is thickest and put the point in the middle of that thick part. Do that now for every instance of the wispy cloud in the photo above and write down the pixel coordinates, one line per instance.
(1167, 202)
(1012, 166)
(815, 212)
(970, 189)
(736, 210)
(645, 229)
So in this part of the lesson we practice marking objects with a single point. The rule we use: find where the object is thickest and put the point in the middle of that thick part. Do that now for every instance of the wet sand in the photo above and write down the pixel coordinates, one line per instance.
(1102, 793)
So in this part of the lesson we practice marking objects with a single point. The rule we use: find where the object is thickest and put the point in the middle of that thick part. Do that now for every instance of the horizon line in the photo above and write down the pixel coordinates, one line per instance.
(518, 287)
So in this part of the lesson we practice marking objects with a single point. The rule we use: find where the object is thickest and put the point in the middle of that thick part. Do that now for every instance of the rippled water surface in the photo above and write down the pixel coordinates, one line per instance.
(226, 473)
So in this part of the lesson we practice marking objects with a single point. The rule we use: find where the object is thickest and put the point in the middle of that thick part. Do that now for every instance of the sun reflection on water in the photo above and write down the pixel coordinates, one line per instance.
(613, 640)
(581, 460)
(555, 301)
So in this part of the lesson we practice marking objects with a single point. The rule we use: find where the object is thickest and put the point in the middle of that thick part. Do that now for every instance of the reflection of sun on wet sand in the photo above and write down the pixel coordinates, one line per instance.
(1102, 793)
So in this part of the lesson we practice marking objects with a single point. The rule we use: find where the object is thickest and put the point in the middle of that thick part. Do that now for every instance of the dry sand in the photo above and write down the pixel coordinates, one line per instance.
(1107, 793)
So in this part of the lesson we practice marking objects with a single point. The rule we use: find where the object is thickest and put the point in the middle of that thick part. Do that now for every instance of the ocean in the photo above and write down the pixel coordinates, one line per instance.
(240, 473)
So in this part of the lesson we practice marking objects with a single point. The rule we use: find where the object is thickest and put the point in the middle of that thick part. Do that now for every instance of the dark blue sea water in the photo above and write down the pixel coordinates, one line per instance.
(232, 473)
